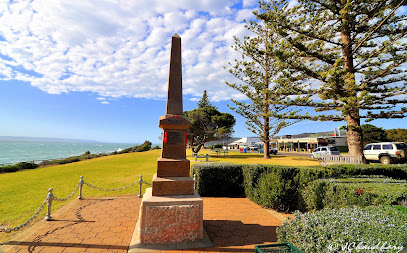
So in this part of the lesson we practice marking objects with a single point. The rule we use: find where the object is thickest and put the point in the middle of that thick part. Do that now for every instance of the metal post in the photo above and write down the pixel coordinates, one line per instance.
(50, 198)
(80, 188)
(140, 185)
(194, 181)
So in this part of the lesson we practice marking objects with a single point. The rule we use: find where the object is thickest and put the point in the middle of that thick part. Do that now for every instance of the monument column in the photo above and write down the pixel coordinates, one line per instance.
(171, 211)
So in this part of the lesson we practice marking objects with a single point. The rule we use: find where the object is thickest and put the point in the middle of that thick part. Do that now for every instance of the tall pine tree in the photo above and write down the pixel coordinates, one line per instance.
(204, 101)
(346, 59)
(257, 72)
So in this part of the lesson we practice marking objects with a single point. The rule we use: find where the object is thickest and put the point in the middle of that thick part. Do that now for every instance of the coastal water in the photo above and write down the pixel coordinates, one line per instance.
(13, 152)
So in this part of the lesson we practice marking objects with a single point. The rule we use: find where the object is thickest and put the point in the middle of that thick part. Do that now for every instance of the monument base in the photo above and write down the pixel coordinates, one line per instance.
(169, 219)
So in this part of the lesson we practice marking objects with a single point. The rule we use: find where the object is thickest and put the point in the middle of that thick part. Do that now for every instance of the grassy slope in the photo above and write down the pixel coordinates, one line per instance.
(21, 193)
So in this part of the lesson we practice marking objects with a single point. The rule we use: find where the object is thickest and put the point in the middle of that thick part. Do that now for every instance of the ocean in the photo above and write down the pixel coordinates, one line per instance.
(12, 152)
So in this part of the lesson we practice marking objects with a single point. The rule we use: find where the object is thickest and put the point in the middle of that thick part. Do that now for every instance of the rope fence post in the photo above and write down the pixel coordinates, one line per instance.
(194, 181)
(50, 198)
(80, 188)
(140, 185)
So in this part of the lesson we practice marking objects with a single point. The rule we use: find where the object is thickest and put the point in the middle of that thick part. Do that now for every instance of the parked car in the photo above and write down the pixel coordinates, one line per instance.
(273, 151)
(324, 150)
(386, 152)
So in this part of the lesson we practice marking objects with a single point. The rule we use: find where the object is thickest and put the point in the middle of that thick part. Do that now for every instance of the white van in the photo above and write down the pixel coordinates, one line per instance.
(324, 150)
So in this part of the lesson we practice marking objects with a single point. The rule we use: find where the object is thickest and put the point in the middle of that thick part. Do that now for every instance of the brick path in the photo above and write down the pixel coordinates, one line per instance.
(107, 224)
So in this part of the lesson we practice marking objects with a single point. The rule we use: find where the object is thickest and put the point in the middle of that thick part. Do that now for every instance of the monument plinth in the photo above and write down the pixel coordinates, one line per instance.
(171, 211)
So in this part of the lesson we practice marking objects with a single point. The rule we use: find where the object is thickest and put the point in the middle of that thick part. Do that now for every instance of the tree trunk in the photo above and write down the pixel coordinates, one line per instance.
(266, 138)
(354, 133)
(266, 119)
(197, 149)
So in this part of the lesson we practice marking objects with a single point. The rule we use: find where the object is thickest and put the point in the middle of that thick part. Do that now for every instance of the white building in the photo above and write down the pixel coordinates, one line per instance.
(246, 142)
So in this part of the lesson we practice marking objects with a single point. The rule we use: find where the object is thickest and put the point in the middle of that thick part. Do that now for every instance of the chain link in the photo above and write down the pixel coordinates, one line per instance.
(70, 196)
(8, 230)
(147, 183)
(116, 189)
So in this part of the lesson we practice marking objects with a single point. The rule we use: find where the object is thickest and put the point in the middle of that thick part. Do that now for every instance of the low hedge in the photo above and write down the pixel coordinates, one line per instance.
(361, 191)
(219, 179)
(276, 186)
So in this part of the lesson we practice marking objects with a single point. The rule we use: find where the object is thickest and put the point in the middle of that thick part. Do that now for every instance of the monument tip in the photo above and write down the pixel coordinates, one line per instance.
(176, 35)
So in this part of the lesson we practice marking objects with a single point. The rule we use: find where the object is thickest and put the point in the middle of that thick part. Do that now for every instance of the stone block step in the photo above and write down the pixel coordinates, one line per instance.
(170, 186)
(177, 167)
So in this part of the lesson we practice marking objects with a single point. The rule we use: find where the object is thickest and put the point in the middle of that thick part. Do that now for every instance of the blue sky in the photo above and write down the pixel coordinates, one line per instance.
(98, 70)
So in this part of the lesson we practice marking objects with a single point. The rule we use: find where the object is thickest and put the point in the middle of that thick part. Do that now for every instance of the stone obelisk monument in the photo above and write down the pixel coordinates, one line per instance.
(171, 211)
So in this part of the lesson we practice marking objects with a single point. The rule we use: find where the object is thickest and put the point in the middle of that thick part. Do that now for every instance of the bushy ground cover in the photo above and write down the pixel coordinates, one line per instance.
(350, 229)
(360, 191)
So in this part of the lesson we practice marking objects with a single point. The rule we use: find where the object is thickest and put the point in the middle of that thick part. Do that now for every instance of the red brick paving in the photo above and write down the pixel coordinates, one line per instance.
(107, 224)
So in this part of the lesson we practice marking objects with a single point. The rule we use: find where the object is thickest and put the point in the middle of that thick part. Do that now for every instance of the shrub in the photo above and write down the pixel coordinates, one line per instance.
(26, 166)
(18, 166)
(361, 191)
(146, 146)
(219, 179)
(271, 186)
(9, 168)
(143, 147)
(278, 186)
(346, 229)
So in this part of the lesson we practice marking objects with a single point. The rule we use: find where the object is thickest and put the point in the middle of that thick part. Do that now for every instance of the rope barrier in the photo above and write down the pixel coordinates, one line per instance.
(51, 197)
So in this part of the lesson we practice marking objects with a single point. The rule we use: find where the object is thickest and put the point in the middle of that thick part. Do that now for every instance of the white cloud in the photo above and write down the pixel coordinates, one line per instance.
(249, 3)
(119, 48)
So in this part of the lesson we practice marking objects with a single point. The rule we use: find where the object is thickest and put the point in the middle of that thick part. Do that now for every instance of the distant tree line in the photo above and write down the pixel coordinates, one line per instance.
(373, 133)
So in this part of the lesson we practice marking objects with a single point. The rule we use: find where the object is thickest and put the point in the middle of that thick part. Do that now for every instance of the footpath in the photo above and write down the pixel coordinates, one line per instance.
(107, 224)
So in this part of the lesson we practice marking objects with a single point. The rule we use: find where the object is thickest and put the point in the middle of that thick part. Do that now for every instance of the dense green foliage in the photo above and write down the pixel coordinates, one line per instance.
(343, 230)
(204, 101)
(146, 146)
(361, 191)
(373, 133)
(226, 181)
(18, 166)
(207, 124)
(279, 187)
(397, 135)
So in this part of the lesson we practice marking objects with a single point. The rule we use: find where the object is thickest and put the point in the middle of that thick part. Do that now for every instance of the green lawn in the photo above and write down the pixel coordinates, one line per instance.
(21, 193)
(256, 158)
